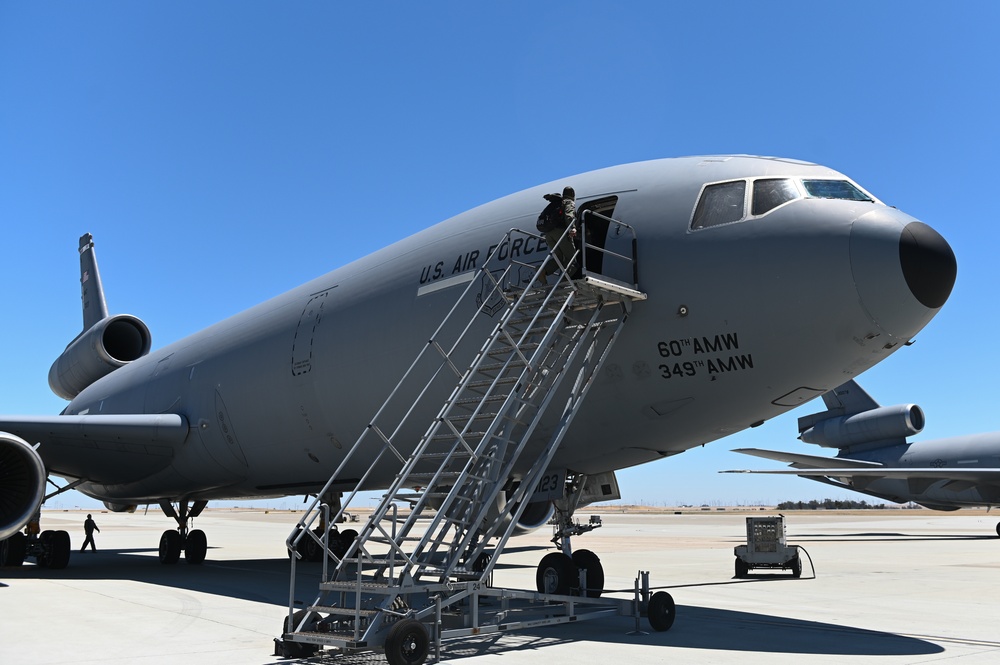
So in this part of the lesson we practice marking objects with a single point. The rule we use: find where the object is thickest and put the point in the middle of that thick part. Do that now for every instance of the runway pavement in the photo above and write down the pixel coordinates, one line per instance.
(890, 586)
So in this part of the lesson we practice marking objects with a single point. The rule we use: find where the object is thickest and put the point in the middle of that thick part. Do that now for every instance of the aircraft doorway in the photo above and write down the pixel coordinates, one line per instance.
(596, 232)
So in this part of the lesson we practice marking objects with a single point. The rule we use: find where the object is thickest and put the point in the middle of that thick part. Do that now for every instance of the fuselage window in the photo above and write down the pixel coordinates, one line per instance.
(770, 193)
(720, 204)
(834, 189)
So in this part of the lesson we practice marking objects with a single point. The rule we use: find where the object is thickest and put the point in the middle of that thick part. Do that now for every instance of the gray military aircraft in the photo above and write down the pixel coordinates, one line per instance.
(875, 458)
(768, 281)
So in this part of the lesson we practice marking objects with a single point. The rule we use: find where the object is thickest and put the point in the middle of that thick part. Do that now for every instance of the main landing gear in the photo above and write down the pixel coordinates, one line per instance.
(50, 549)
(192, 542)
(310, 546)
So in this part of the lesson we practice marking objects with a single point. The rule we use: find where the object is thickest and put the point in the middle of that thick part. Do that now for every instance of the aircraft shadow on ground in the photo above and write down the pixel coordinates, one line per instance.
(266, 581)
(711, 629)
(258, 580)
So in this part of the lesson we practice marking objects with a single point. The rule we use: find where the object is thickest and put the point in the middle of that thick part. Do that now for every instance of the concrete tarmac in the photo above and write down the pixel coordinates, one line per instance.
(890, 586)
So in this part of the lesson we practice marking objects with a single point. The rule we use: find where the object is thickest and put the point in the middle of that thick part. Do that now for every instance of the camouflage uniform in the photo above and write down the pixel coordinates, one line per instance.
(564, 249)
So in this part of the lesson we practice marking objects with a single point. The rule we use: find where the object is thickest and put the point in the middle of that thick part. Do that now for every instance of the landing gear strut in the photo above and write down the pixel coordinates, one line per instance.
(193, 542)
(567, 571)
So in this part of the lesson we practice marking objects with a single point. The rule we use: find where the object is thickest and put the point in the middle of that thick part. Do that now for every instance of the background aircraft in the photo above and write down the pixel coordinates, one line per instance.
(875, 458)
(768, 280)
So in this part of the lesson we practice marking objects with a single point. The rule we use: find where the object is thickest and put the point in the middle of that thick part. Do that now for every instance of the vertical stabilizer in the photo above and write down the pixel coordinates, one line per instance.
(95, 308)
(850, 397)
(106, 343)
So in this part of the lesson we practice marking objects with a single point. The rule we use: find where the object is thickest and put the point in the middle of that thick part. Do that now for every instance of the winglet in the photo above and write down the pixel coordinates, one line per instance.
(95, 308)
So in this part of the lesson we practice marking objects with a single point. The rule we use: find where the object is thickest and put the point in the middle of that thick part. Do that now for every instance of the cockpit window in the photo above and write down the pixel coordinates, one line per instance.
(834, 189)
(770, 193)
(720, 204)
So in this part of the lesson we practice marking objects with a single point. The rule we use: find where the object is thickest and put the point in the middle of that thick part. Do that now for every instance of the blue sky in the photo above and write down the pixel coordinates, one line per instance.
(222, 153)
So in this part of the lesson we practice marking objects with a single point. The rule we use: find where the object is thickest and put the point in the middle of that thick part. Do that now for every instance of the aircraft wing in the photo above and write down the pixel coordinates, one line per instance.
(800, 461)
(102, 448)
(977, 476)
(814, 466)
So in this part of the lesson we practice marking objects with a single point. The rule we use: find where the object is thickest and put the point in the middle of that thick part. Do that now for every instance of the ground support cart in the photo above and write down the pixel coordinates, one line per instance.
(766, 548)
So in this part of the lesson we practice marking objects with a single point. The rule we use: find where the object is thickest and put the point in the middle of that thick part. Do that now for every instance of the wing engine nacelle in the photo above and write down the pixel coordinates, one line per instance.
(535, 516)
(885, 423)
(22, 483)
(112, 342)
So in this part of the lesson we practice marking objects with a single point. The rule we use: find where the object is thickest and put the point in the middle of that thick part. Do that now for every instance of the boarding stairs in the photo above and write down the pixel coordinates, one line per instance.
(454, 499)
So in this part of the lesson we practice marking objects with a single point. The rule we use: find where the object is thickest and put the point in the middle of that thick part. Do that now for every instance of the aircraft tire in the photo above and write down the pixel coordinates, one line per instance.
(590, 562)
(170, 547)
(310, 549)
(742, 570)
(13, 550)
(661, 611)
(59, 549)
(43, 559)
(195, 547)
(556, 574)
(347, 538)
(407, 643)
(343, 542)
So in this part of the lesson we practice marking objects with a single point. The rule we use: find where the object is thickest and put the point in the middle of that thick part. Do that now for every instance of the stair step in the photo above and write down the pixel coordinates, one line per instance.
(506, 348)
(505, 381)
(494, 367)
(428, 475)
(368, 586)
(459, 455)
(451, 437)
(466, 401)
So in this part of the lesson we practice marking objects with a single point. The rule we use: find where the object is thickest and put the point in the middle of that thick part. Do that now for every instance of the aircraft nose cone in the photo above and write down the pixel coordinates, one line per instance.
(928, 263)
(903, 270)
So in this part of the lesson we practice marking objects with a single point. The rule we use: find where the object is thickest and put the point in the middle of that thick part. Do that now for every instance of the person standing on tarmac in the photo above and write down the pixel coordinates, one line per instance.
(89, 527)
(560, 215)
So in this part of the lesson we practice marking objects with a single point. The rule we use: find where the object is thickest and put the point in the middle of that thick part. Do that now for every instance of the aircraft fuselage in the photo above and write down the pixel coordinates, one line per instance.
(744, 321)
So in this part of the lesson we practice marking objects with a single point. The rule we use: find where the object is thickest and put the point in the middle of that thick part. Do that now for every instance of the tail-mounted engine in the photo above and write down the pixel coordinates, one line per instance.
(111, 343)
(106, 343)
(22, 483)
(881, 424)
(853, 419)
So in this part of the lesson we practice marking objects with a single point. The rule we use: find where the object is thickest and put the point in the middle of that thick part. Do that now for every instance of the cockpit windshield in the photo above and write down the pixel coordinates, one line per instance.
(727, 202)
(720, 204)
(834, 189)
(769, 193)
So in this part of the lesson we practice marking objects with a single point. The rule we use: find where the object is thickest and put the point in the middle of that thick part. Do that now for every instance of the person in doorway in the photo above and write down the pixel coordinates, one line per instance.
(558, 216)
(89, 527)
